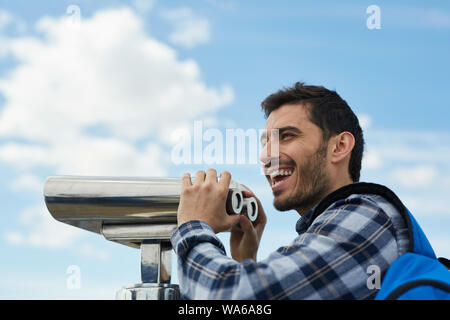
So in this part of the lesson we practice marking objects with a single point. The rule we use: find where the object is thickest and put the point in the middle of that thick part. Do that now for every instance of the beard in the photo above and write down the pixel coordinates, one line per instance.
(314, 183)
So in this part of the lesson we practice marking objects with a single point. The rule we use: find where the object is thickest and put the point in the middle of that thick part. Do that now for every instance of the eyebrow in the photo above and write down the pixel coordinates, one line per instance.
(289, 128)
(280, 131)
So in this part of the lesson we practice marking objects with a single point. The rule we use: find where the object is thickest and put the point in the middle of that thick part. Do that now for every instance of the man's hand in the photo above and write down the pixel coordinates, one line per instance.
(244, 240)
(205, 200)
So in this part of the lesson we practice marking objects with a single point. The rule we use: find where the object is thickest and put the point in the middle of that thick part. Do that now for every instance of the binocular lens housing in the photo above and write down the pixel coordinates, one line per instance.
(96, 203)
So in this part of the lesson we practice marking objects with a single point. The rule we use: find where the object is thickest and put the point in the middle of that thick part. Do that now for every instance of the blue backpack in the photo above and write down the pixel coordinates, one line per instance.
(415, 275)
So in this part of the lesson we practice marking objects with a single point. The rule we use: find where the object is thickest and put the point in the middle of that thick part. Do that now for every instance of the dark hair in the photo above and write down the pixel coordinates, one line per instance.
(328, 111)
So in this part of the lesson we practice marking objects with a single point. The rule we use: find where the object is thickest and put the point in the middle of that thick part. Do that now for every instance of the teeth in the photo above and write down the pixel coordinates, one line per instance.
(277, 173)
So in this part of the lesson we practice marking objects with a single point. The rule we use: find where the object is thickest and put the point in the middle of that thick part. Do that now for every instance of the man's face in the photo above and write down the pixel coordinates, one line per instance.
(294, 158)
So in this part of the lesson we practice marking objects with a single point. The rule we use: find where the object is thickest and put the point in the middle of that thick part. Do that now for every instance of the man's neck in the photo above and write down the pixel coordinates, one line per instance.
(339, 184)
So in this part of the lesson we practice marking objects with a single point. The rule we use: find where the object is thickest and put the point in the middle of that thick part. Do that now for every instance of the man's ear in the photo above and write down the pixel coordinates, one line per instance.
(342, 146)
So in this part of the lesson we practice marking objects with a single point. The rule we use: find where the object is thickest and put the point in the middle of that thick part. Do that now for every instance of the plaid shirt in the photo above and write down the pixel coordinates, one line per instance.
(329, 259)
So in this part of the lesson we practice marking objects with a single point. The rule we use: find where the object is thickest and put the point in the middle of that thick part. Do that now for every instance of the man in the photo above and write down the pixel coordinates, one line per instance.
(319, 147)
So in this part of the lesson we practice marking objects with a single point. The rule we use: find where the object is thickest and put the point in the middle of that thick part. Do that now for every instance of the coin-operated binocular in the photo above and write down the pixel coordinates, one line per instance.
(136, 212)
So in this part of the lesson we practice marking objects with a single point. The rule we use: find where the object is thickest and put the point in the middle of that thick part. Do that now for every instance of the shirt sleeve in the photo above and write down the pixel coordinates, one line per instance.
(335, 258)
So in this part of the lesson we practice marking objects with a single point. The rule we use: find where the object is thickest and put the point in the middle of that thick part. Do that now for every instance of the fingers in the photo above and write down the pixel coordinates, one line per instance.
(248, 194)
(211, 176)
(234, 221)
(225, 179)
(246, 224)
(186, 180)
(199, 177)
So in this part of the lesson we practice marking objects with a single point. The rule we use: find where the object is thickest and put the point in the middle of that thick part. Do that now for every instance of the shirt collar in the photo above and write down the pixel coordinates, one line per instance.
(303, 223)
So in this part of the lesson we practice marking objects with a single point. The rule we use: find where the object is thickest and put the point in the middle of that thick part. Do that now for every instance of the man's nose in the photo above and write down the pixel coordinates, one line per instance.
(269, 155)
(264, 156)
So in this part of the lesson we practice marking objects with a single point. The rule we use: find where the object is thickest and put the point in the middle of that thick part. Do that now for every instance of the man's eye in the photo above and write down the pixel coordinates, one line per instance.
(286, 135)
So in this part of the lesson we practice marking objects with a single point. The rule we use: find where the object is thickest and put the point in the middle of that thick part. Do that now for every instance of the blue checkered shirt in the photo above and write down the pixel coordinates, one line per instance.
(330, 258)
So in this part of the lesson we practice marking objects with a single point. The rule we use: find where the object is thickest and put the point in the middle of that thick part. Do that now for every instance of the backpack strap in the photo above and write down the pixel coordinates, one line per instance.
(445, 262)
(366, 188)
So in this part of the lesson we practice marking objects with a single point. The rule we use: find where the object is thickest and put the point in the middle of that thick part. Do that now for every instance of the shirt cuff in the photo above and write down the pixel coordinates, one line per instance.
(190, 234)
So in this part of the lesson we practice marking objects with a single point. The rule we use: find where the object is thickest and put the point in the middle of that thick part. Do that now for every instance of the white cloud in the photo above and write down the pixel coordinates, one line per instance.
(23, 156)
(415, 177)
(189, 29)
(364, 121)
(415, 164)
(106, 74)
(412, 146)
(428, 205)
(371, 159)
(27, 182)
(42, 230)
(14, 237)
(101, 99)
(93, 252)
(39, 229)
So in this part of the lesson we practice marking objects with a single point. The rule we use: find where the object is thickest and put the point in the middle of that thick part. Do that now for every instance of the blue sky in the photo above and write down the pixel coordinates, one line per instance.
(102, 95)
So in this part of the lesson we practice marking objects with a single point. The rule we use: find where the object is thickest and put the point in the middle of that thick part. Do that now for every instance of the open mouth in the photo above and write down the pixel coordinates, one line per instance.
(279, 177)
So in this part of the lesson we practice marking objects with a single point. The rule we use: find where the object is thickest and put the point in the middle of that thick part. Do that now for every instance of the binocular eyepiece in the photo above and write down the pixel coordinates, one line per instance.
(237, 204)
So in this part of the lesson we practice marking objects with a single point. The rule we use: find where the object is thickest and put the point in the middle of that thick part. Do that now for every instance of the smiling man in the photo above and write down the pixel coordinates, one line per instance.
(319, 143)
(343, 233)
